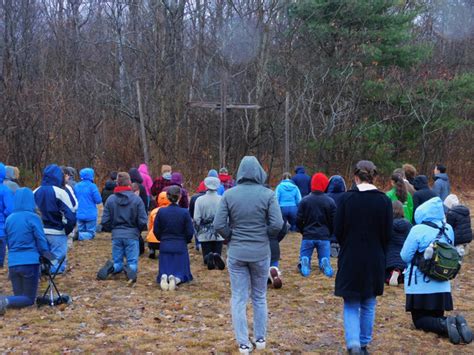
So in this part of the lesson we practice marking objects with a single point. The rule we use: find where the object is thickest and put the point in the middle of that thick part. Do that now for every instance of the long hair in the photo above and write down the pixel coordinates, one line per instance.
(398, 211)
(400, 188)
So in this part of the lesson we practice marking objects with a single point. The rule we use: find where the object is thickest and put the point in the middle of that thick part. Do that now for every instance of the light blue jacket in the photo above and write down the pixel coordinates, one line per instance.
(419, 239)
(87, 195)
(288, 194)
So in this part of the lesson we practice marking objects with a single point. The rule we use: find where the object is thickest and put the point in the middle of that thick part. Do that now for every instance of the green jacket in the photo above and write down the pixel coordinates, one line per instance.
(407, 205)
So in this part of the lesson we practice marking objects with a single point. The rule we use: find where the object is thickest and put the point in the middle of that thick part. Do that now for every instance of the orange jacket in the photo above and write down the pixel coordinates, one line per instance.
(162, 202)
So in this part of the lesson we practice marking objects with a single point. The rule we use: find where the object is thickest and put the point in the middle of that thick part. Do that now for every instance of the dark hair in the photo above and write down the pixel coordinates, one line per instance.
(173, 194)
(398, 211)
(410, 171)
(286, 176)
(401, 188)
(441, 168)
(399, 171)
(113, 175)
(366, 171)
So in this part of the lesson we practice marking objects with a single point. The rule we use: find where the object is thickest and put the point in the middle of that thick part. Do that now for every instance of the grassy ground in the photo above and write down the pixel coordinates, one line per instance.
(304, 316)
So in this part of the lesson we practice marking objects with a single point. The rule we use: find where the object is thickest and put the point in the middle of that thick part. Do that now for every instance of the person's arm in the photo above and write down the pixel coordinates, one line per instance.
(278, 193)
(221, 219)
(275, 220)
(142, 218)
(331, 216)
(437, 187)
(38, 233)
(157, 226)
(300, 217)
(410, 207)
(410, 246)
(339, 221)
(188, 229)
(197, 212)
(107, 217)
(298, 196)
(184, 201)
(65, 206)
(96, 195)
(8, 202)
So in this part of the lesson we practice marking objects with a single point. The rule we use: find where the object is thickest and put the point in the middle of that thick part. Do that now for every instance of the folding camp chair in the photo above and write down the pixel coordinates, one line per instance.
(51, 295)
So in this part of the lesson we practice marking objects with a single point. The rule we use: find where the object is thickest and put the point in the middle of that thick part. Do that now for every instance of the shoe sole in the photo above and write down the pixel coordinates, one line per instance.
(172, 283)
(305, 270)
(104, 271)
(260, 346)
(218, 262)
(453, 333)
(275, 278)
(326, 265)
(164, 284)
(394, 279)
(464, 330)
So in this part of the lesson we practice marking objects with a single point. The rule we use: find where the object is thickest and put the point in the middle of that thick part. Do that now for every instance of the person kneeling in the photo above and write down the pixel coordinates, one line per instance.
(125, 216)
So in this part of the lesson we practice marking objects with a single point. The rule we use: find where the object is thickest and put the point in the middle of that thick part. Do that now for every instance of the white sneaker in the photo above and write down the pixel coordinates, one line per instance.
(246, 349)
(164, 282)
(394, 278)
(172, 283)
(260, 344)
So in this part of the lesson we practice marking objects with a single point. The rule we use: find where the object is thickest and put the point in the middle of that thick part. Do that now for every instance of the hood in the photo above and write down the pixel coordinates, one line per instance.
(250, 170)
(177, 179)
(319, 182)
(24, 200)
(87, 174)
(163, 200)
(300, 170)
(9, 173)
(110, 185)
(2, 172)
(288, 185)
(442, 176)
(52, 176)
(143, 169)
(225, 177)
(401, 225)
(124, 198)
(213, 173)
(430, 211)
(336, 184)
(421, 182)
(135, 175)
(72, 172)
(451, 201)
(462, 210)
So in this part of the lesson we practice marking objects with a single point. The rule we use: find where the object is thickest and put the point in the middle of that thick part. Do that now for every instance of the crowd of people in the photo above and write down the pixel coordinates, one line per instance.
(378, 238)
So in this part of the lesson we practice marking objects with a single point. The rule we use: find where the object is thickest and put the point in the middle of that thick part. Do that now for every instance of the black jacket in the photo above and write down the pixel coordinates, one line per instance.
(315, 218)
(108, 190)
(192, 202)
(363, 227)
(401, 228)
(423, 192)
(460, 219)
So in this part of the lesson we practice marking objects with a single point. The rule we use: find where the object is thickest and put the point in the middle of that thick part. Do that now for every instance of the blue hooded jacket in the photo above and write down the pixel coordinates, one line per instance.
(288, 194)
(24, 232)
(6, 201)
(54, 203)
(302, 180)
(419, 239)
(336, 188)
(88, 196)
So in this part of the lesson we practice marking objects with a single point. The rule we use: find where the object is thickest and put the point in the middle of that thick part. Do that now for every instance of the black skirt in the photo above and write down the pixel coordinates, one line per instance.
(430, 302)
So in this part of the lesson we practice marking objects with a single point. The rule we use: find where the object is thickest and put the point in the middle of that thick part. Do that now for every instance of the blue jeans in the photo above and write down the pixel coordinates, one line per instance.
(86, 229)
(359, 316)
(25, 279)
(248, 279)
(128, 248)
(289, 215)
(3, 247)
(58, 246)
(322, 246)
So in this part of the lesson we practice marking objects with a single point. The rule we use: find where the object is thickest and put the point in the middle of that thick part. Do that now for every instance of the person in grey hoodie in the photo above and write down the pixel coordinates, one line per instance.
(10, 179)
(247, 216)
(441, 186)
(125, 216)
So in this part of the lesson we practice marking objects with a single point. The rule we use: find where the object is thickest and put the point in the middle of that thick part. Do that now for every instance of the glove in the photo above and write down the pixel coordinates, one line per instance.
(48, 258)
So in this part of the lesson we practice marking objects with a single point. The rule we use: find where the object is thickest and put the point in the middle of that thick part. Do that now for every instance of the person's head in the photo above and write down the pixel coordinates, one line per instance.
(113, 175)
(17, 172)
(399, 171)
(400, 187)
(319, 182)
(163, 199)
(398, 209)
(53, 176)
(66, 173)
(451, 201)
(173, 194)
(410, 171)
(136, 188)
(213, 173)
(365, 172)
(286, 176)
(224, 171)
(123, 179)
(87, 174)
(439, 169)
(212, 183)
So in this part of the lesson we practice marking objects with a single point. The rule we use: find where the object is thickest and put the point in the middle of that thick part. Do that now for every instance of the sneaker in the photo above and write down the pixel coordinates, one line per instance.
(354, 350)
(275, 278)
(246, 349)
(260, 344)
(463, 329)
(218, 262)
(172, 283)
(394, 278)
(364, 350)
(106, 270)
(164, 282)
(210, 261)
(326, 267)
(452, 330)
(131, 274)
(305, 268)
(3, 305)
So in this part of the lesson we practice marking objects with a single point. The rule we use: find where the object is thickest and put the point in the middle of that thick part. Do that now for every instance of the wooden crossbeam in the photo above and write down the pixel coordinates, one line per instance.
(217, 105)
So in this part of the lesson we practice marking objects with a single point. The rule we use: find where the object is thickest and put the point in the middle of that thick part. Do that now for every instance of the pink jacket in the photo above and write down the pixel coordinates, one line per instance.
(147, 181)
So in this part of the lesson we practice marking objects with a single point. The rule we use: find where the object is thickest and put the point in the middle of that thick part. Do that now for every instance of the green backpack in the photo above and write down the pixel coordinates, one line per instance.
(445, 262)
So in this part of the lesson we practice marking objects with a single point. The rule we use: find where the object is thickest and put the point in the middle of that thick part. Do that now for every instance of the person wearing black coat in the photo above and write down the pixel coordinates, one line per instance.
(458, 217)
(109, 187)
(363, 226)
(137, 178)
(394, 264)
(423, 192)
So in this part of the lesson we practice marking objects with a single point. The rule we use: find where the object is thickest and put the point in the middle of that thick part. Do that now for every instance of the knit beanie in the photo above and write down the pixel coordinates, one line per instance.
(123, 179)
(319, 182)
(213, 173)
(451, 201)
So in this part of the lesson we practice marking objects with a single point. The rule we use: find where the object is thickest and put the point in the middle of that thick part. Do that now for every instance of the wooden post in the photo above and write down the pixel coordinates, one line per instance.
(146, 155)
(287, 132)
(223, 123)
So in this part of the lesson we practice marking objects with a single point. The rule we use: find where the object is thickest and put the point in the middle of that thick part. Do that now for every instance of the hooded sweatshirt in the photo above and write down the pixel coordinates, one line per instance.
(202, 186)
(248, 214)
(400, 230)
(147, 180)
(124, 214)
(226, 181)
(108, 190)
(302, 180)
(162, 202)
(9, 179)
(418, 240)
(24, 232)
(336, 188)
(136, 177)
(54, 203)
(459, 218)
(6, 201)
(288, 194)
(441, 186)
(204, 213)
(423, 192)
(87, 195)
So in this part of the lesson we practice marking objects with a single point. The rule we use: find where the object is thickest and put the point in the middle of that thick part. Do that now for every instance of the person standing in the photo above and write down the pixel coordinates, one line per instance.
(226, 179)
(302, 180)
(88, 198)
(162, 181)
(147, 180)
(247, 216)
(441, 186)
(363, 226)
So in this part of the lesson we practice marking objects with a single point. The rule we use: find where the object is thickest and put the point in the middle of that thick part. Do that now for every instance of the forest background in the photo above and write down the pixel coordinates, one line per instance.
(386, 80)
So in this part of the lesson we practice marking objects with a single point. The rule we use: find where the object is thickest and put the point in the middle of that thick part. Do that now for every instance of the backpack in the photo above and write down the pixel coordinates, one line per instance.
(445, 262)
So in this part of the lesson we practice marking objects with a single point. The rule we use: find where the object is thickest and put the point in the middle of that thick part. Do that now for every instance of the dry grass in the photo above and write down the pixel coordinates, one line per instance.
(109, 317)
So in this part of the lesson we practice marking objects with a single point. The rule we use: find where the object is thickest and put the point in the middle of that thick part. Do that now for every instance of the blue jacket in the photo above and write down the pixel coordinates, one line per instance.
(441, 186)
(288, 194)
(54, 203)
(419, 239)
(88, 196)
(173, 226)
(336, 188)
(302, 180)
(6, 201)
(25, 236)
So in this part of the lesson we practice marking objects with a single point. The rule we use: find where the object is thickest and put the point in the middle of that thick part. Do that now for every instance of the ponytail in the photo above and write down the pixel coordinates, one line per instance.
(400, 188)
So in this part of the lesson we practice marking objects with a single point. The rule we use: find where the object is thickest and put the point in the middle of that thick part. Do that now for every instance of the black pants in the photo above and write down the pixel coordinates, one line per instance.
(210, 247)
(429, 321)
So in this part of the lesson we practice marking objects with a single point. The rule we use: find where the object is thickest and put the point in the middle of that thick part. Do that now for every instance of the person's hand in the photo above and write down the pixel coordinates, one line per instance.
(49, 258)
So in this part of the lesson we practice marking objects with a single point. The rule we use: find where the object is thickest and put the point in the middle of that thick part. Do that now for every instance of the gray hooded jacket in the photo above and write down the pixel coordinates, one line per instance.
(248, 214)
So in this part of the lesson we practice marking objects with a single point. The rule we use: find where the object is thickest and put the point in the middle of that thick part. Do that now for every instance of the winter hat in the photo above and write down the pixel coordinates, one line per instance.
(223, 171)
(165, 169)
(212, 183)
(451, 201)
(319, 182)
(123, 179)
(213, 173)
